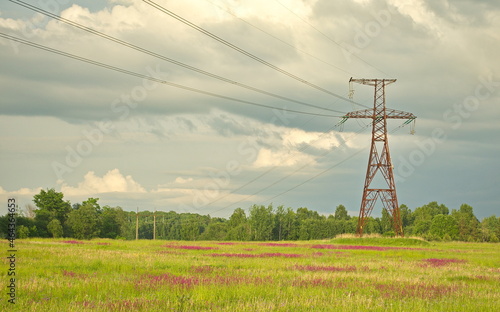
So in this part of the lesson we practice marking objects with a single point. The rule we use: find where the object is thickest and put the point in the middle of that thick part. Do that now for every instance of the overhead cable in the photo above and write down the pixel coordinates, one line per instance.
(279, 39)
(325, 171)
(292, 173)
(244, 52)
(328, 37)
(272, 168)
(167, 59)
(131, 73)
(316, 175)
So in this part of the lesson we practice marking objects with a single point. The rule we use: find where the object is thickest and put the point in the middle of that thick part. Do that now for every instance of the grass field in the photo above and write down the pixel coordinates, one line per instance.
(345, 274)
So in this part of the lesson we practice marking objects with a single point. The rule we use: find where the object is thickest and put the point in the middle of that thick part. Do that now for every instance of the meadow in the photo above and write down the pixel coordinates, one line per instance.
(343, 274)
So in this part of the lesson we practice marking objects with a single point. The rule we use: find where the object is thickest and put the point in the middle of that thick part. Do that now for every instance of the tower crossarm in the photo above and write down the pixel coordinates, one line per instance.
(389, 114)
(372, 82)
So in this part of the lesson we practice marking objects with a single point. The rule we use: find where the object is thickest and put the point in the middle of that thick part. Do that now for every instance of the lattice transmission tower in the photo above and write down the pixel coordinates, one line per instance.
(379, 160)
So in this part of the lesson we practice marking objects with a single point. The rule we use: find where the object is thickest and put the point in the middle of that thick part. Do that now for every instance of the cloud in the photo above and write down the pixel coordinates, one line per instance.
(198, 195)
(318, 140)
(157, 33)
(171, 140)
(222, 124)
(20, 192)
(112, 181)
(182, 180)
(471, 13)
(420, 14)
(268, 158)
(23, 196)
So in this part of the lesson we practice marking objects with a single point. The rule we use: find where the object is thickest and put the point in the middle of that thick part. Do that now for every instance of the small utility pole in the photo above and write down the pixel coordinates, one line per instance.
(137, 224)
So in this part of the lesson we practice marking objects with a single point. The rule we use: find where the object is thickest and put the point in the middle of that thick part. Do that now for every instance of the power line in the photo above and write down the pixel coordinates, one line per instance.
(300, 184)
(328, 37)
(279, 39)
(159, 56)
(244, 52)
(131, 73)
(316, 175)
(270, 169)
(328, 169)
(291, 174)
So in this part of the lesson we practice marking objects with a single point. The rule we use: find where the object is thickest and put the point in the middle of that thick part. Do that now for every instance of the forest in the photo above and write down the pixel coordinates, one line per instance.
(52, 216)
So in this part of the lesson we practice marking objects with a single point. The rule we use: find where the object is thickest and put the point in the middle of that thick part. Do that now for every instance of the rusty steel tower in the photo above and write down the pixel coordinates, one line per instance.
(379, 160)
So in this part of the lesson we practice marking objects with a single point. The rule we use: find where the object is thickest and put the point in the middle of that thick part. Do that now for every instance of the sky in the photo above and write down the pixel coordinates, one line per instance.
(138, 143)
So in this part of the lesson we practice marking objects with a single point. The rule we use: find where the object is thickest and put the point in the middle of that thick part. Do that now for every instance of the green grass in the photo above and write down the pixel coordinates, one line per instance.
(348, 274)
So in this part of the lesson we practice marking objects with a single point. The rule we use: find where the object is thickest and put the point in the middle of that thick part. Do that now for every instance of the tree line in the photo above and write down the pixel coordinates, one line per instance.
(55, 217)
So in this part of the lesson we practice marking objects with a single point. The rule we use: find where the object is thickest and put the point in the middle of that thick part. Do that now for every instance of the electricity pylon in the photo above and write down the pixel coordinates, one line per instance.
(380, 158)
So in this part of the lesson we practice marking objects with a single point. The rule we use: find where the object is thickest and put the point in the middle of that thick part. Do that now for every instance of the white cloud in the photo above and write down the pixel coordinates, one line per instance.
(20, 192)
(11, 24)
(182, 180)
(112, 181)
(23, 197)
(118, 18)
(269, 158)
(422, 16)
(319, 140)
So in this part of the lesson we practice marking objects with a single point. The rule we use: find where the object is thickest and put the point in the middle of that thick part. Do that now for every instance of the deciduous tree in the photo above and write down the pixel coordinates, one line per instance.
(341, 213)
(113, 222)
(55, 228)
(261, 222)
(444, 226)
(84, 222)
(468, 225)
(490, 229)
(51, 204)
